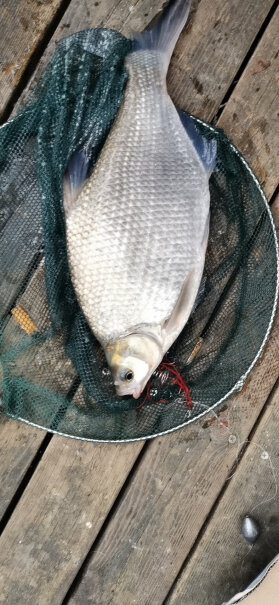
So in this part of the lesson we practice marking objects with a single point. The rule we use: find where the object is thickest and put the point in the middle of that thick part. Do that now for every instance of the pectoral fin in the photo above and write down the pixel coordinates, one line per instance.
(200, 295)
(74, 179)
(206, 150)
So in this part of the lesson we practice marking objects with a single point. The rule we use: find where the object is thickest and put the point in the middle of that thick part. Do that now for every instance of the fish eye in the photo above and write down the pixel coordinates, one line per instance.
(129, 375)
(126, 375)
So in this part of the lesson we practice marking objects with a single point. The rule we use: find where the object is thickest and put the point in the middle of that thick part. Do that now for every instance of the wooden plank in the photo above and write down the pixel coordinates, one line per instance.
(173, 490)
(53, 368)
(22, 26)
(252, 490)
(16, 459)
(251, 116)
(58, 516)
(19, 443)
(21, 237)
(265, 150)
(203, 47)
(202, 65)
(21, 572)
(208, 54)
(18, 446)
(119, 15)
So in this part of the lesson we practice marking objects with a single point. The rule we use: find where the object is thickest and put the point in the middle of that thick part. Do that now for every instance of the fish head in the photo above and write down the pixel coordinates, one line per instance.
(132, 360)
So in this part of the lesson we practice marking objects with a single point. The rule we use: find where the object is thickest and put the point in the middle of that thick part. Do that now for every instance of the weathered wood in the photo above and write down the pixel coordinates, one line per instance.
(20, 242)
(28, 566)
(257, 157)
(58, 517)
(22, 26)
(203, 47)
(118, 14)
(223, 563)
(82, 481)
(27, 440)
(18, 446)
(207, 56)
(202, 68)
(169, 499)
(53, 368)
(19, 443)
(251, 116)
(172, 493)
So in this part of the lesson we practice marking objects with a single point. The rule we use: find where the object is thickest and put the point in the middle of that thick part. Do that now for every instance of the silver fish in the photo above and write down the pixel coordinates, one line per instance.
(137, 230)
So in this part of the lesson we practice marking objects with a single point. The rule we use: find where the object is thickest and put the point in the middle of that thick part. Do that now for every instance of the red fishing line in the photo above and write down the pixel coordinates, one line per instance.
(148, 398)
(175, 379)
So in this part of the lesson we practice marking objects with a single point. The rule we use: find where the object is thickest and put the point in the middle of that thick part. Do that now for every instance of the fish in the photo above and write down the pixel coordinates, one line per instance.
(137, 227)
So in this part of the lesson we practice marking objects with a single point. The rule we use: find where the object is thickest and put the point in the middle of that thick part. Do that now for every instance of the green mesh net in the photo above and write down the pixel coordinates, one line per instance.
(53, 371)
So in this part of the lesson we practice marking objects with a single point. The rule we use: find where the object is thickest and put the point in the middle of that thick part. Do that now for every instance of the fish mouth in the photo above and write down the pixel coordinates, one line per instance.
(135, 393)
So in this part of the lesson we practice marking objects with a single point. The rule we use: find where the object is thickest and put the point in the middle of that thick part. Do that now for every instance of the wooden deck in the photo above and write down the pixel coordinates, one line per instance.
(155, 522)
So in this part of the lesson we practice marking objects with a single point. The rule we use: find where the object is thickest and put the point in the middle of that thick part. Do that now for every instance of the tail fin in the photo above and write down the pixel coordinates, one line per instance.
(166, 31)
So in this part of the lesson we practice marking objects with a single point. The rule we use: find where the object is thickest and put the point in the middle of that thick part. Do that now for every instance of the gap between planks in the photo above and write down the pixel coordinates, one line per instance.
(223, 494)
(41, 27)
(83, 594)
(179, 585)
(132, 577)
(244, 64)
(190, 50)
(237, 562)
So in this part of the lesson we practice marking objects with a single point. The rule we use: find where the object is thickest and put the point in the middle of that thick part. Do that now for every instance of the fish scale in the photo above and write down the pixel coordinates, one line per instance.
(136, 229)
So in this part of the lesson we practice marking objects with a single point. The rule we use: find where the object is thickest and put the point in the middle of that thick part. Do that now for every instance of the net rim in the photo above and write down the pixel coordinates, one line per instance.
(241, 381)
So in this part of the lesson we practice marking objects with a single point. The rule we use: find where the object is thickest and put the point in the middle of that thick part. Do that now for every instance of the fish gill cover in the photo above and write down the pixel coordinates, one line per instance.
(53, 371)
